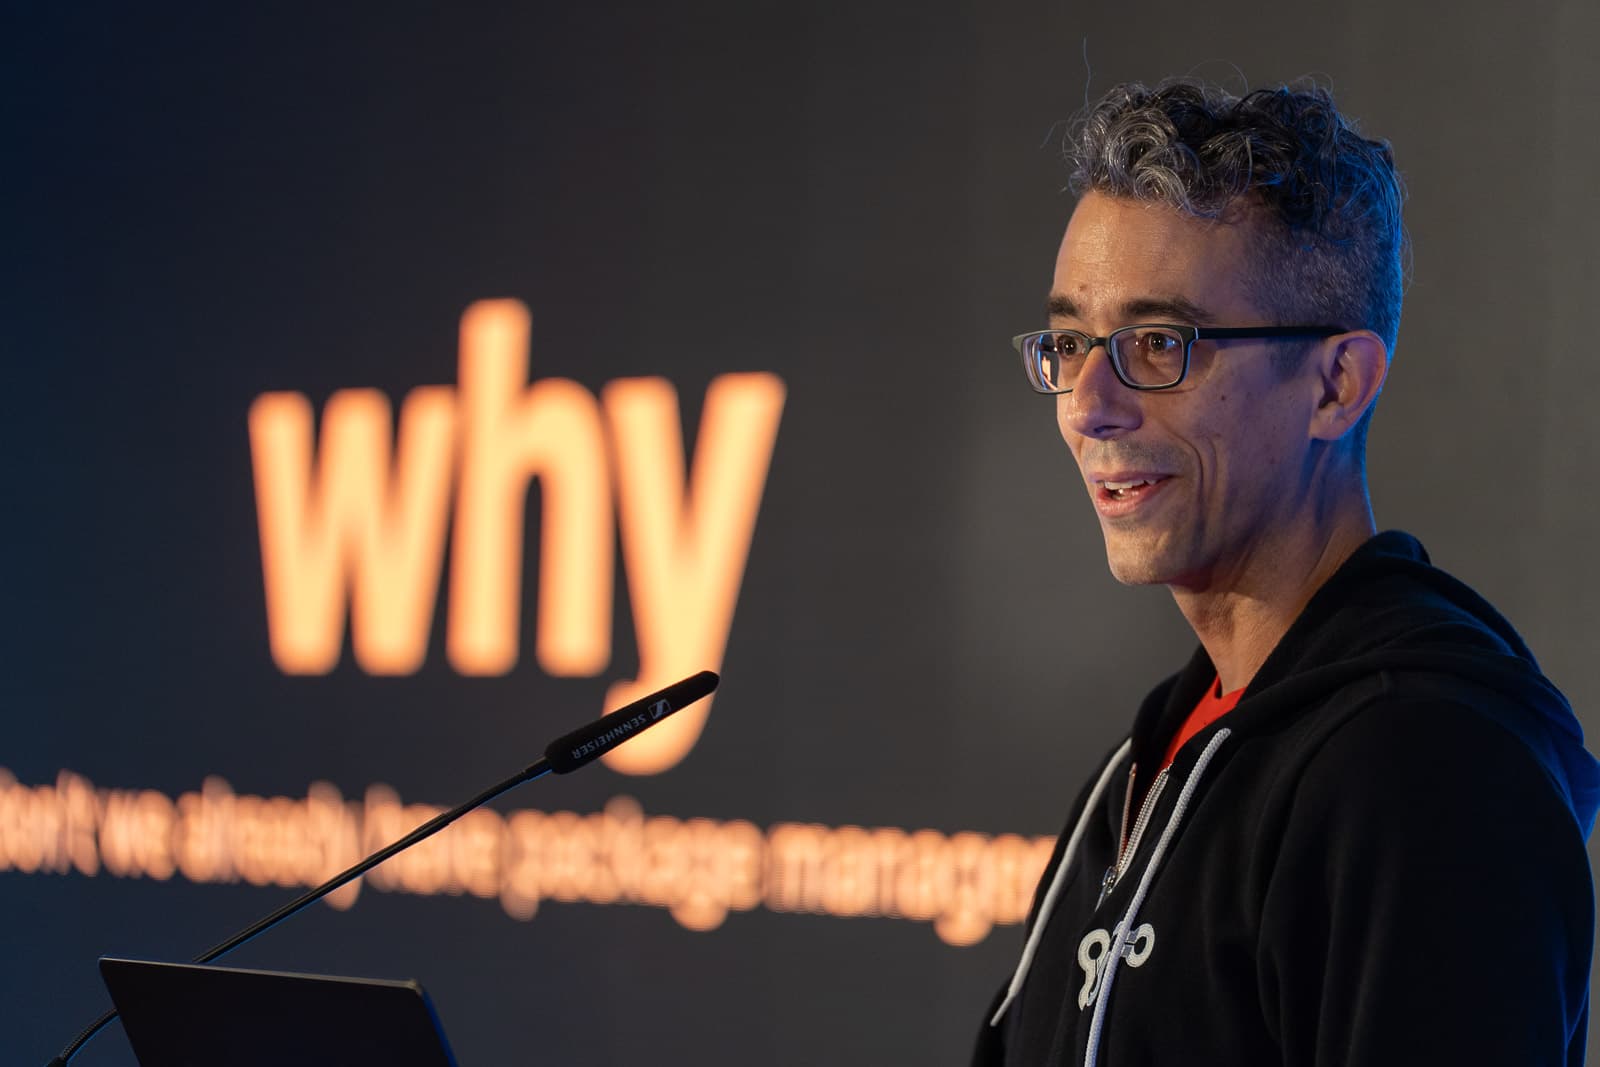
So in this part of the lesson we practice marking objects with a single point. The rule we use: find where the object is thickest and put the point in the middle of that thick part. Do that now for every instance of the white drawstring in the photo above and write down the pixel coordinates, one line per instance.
(1049, 903)
(1091, 1051)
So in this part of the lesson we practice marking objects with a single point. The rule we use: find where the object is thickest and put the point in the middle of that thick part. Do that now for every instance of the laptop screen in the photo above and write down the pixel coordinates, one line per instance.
(187, 1015)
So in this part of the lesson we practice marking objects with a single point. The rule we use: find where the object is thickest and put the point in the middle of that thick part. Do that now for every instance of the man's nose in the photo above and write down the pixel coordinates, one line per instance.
(1099, 404)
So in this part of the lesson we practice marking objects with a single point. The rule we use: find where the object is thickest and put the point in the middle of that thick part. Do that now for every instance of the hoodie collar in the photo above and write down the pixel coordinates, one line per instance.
(1387, 608)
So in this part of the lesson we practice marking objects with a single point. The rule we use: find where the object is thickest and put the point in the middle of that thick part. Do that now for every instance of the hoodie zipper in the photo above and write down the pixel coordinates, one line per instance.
(1128, 843)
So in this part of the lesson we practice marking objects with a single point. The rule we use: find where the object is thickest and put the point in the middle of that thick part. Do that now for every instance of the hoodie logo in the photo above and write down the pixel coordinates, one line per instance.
(1094, 951)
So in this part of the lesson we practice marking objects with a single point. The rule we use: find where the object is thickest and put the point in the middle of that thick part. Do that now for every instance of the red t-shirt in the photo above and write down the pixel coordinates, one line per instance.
(1212, 706)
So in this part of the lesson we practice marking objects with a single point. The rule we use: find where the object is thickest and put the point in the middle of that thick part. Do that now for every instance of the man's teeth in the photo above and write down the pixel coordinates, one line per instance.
(1117, 487)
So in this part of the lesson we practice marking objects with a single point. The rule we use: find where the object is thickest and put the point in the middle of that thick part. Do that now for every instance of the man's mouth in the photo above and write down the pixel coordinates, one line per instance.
(1121, 495)
(1123, 490)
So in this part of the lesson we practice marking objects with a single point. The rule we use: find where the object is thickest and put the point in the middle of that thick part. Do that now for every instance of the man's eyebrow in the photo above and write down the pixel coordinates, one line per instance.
(1175, 309)
(1060, 306)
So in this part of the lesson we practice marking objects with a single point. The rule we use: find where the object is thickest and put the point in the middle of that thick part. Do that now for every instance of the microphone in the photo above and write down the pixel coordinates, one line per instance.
(563, 756)
(588, 743)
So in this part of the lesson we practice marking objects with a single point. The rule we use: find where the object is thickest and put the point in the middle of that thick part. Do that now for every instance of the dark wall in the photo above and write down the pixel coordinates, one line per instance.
(204, 205)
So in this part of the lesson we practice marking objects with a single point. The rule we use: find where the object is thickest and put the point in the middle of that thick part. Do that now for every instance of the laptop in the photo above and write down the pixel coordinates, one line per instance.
(187, 1015)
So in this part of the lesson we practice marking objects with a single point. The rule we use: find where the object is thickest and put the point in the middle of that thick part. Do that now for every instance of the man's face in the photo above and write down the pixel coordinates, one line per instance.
(1220, 461)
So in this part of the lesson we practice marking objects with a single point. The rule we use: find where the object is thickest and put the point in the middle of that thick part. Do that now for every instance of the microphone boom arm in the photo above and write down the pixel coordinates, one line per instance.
(563, 755)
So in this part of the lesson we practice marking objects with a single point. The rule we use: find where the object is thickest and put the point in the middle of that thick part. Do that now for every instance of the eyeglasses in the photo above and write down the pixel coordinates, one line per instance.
(1146, 356)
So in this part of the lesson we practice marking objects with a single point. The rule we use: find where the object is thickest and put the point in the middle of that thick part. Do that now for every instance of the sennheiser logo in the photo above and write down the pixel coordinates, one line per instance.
(658, 709)
(612, 737)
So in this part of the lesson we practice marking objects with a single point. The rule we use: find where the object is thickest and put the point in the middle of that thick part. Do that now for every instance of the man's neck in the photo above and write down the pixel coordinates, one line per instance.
(1241, 618)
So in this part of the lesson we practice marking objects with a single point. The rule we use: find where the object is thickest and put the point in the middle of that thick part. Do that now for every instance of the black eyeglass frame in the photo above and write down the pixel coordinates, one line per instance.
(1190, 335)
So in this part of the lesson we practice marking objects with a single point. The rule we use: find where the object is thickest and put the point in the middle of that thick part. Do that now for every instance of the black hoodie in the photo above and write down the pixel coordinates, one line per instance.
(1376, 858)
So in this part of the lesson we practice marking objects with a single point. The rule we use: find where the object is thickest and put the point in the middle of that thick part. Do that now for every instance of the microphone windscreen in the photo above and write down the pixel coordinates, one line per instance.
(588, 743)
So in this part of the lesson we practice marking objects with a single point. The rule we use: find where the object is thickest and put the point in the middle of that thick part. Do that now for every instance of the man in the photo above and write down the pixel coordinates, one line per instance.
(1351, 830)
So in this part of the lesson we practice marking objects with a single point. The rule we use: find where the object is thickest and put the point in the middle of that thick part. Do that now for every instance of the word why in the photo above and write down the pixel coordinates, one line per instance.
(359, 517)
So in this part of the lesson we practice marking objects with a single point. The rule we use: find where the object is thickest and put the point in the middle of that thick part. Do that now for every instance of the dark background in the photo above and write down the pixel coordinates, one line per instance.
(205, 203)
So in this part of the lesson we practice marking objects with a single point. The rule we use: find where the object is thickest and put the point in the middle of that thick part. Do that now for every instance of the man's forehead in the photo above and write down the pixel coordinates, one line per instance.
(1126, 261)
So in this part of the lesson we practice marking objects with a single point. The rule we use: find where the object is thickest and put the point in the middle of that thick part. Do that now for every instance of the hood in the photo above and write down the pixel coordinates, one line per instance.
(1389, 609)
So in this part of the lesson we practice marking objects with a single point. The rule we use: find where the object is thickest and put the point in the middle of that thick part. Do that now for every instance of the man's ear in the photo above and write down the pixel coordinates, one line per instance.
(1350, 368)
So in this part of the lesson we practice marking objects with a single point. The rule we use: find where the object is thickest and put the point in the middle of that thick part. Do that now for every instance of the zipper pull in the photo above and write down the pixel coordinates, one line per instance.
(1108, 882)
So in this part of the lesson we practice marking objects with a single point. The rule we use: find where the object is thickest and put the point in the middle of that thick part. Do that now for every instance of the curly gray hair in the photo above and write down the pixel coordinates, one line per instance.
(1333, 245)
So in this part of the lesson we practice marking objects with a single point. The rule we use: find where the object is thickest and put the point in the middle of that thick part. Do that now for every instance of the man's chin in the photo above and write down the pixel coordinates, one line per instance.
(1136, 564)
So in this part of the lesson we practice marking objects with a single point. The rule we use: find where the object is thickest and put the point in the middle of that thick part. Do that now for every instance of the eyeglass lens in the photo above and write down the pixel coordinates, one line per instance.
(1146, 355)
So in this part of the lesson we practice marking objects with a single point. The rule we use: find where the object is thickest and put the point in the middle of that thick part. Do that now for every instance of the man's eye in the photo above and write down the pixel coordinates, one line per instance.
(1065, 345)
(1156, 342)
